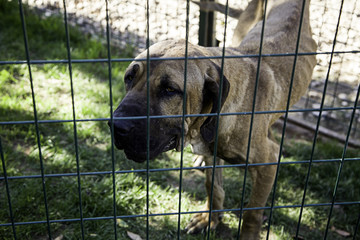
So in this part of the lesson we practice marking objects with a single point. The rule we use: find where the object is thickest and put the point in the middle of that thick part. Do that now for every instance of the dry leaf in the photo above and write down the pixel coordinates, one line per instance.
(133, 236)
(298, 238)
(59, 237)
(340, 232)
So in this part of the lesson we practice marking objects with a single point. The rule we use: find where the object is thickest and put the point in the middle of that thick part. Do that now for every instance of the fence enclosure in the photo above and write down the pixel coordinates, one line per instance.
(330, 108)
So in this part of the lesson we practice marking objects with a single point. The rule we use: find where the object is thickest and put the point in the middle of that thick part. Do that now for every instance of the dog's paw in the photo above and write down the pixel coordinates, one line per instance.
(200, 222)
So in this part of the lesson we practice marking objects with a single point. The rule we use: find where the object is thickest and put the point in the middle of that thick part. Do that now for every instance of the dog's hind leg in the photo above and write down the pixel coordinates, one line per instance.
(262, 181)
(201, 220)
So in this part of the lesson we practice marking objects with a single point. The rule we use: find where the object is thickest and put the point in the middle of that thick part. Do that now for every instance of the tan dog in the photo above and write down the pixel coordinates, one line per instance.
(166, 78)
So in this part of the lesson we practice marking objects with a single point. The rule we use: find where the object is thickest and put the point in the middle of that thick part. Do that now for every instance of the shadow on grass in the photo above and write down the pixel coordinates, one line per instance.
(58, 152)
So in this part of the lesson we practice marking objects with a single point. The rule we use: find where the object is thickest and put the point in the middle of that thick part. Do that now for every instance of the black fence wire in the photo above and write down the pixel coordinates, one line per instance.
(316, 106)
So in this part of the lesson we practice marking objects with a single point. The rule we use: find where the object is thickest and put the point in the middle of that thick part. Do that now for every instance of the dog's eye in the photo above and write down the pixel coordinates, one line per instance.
(167, 88)
(128, 81)
(170, 90)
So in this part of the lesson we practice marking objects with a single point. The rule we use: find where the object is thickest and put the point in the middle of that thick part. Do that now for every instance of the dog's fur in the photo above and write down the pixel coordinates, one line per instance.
(166, 88)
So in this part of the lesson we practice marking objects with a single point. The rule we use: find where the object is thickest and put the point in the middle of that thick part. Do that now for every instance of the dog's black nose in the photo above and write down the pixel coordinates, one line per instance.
(123, 127)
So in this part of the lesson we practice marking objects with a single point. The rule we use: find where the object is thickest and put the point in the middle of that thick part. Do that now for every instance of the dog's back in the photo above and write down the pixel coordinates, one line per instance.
(281, 29)
(281, 34)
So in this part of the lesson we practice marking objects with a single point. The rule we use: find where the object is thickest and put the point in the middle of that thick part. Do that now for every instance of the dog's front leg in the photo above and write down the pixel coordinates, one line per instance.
(201, 220)
(262, 181)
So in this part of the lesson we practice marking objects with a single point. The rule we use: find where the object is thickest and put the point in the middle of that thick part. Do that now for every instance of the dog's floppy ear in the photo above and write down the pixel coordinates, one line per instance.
(133, 71)
(212, 93)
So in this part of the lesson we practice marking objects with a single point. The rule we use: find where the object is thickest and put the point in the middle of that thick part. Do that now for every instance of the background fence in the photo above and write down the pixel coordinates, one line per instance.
(331, 102)
(167, 21)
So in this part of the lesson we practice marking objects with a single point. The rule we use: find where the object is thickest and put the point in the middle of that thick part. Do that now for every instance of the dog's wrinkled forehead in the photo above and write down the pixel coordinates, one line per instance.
(159, 72)
(167, 60)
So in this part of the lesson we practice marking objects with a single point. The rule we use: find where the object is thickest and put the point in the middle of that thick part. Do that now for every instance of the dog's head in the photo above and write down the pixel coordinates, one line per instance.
(163, 85)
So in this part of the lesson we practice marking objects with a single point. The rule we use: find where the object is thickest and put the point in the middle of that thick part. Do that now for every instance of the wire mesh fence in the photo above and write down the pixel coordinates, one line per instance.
(167, 21)
(331, 101)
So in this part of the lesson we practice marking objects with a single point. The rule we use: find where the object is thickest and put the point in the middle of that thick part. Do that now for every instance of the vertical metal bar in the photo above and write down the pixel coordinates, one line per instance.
(355, 125)
(252, 117)
(7, 191)
(342, 162)
(35, 115)
(74, 119)
(342, 56)
(183, 113)
(357, 227)
(147, 114)
(318, 123)
(207, 27)
(111, 115)
(286, 117)
(217, 120)
(307, 102)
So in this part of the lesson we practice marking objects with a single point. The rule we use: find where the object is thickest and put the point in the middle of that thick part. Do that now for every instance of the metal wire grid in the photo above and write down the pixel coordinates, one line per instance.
(342, 81)
(113, 173)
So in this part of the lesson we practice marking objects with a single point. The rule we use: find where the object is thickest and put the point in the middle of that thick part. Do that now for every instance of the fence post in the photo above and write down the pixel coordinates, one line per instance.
(207, 27)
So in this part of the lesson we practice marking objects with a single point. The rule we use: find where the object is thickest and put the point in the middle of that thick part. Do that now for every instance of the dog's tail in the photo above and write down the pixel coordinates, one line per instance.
(218, 7)
(246, 18)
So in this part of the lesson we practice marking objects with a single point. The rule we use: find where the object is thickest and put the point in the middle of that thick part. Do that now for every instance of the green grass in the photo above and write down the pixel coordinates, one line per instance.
(53, 102)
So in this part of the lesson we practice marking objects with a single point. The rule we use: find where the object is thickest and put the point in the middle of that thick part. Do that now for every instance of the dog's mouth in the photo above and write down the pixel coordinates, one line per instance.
(173, 143)
(137, 151)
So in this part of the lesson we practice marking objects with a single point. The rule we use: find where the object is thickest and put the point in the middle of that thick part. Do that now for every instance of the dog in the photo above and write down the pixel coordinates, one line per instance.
(163, 79)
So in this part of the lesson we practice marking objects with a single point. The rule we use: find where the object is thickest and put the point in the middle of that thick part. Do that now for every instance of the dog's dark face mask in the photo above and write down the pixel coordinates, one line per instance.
(142, 137)
(132, 133)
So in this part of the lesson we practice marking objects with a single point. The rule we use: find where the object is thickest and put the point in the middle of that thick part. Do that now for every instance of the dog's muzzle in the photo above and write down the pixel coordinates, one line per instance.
(131, 136)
